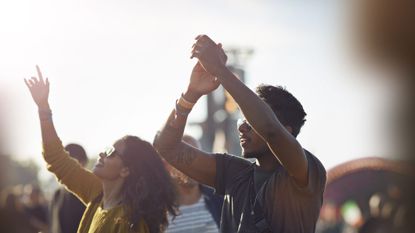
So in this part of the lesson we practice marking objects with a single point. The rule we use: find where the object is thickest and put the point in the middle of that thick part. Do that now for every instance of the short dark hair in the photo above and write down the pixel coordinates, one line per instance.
(77, 152)
(286, 107)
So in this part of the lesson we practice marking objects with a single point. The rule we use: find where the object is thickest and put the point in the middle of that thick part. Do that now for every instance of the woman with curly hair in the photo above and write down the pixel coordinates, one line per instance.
(129, 190)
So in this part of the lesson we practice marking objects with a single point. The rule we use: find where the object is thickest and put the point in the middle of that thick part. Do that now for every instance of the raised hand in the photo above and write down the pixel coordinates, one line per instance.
(201, 82)
(211, 55)
(39, 89)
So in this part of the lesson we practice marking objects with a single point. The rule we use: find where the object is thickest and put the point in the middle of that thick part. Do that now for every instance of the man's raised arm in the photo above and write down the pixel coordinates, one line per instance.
(263, 120)
(193, 162)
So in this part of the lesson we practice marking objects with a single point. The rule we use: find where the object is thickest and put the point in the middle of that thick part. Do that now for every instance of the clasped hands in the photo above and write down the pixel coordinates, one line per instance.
(206, 74)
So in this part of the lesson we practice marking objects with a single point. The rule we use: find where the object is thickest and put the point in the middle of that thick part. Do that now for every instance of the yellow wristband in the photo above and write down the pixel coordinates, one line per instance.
(185, 103)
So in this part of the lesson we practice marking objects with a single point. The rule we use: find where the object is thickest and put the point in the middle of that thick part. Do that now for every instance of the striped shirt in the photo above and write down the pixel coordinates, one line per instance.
(194, 218)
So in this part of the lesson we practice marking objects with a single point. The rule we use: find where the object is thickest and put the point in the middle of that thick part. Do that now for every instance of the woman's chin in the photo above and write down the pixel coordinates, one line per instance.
(96, 170)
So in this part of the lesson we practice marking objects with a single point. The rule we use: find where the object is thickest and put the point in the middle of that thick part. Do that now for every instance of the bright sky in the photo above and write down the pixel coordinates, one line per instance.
(116, 68)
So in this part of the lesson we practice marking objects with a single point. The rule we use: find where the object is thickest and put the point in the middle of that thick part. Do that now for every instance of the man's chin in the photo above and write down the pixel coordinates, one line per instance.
(248, 155)
(253, 154)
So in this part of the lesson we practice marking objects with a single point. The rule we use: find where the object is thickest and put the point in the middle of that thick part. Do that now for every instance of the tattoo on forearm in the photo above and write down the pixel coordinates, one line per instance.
(169, 144)
(185, 156)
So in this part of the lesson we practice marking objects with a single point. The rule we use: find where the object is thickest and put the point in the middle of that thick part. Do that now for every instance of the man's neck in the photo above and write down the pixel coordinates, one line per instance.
(111, 193)
(267, 162)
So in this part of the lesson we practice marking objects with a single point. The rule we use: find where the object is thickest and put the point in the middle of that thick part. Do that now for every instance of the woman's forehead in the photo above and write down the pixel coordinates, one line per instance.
(119, 146)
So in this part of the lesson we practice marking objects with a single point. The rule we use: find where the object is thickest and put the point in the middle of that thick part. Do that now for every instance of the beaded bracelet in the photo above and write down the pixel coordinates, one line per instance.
(185, 103)
(180, 110)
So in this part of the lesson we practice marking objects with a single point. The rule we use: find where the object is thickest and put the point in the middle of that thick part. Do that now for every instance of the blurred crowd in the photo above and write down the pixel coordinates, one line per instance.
(24, 209)
(367, 195)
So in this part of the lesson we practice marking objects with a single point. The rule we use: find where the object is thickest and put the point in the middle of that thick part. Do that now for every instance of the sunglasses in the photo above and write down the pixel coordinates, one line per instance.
(110, 151)
(243, 123)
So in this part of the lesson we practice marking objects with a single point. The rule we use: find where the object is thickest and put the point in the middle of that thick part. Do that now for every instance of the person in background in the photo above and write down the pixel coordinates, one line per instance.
(66, 209)
(12, 215)
(199, 208)
(36, 208)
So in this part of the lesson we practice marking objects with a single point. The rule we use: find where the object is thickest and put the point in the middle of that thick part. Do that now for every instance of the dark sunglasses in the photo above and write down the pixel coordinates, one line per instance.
(109, 151)
(244, 123)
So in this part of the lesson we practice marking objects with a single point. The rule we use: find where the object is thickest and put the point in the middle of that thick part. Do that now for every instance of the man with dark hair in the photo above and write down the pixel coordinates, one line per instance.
(283, 190)
(286, 107)
(77, 152)
(66, 209)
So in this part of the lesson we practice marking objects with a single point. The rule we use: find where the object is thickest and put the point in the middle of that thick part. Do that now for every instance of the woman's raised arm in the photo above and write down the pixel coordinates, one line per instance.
(39, 89)
(69, 172)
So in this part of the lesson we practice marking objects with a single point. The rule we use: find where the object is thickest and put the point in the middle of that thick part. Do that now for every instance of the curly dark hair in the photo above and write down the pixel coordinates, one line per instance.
(286, 107)
(148, 191)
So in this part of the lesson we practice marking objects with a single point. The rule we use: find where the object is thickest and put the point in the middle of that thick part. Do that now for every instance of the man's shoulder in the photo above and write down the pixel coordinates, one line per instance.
(311, 157)
(316, 172)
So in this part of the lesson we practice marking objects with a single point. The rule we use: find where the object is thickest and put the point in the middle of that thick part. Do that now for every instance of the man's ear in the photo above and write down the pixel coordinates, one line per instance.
(289, 128)
(125, 171)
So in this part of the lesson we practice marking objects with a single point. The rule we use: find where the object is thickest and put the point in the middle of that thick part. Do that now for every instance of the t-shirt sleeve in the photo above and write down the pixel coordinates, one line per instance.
(300, 205)
(316, 180)
(227, 168)
(316, 177)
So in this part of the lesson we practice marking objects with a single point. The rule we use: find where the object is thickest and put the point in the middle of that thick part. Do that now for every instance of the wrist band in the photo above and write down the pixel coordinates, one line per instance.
(45, 115)
(180, 110)
(185, 103)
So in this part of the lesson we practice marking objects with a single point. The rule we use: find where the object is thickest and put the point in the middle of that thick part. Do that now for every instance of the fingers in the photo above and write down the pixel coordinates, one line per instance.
(200, 36)
(202, 43)
(223, 55)
(196, 46)
(27, 83)
(195, 53)
(31, 83)
(34, 81)
(204, 40)
(39, 74)
(196, 49)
